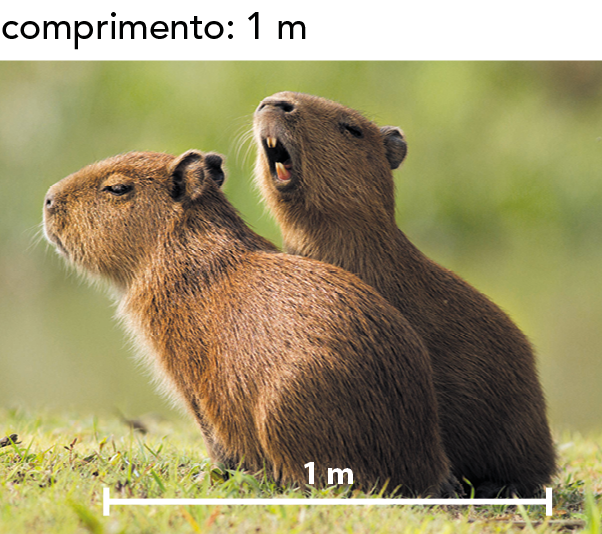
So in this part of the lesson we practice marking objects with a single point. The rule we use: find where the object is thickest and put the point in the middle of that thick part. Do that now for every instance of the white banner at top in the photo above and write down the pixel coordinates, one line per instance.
(301, 30)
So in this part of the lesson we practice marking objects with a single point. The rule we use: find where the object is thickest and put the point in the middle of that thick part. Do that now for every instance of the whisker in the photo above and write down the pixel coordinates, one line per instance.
(247, 142)
(241, 141)
(36, 235)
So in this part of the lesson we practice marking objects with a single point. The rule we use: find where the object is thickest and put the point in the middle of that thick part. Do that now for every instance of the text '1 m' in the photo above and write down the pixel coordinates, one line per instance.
(331, 472)
(286, 28)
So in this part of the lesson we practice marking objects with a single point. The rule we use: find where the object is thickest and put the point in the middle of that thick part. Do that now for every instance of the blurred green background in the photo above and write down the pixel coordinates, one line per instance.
(503, 184)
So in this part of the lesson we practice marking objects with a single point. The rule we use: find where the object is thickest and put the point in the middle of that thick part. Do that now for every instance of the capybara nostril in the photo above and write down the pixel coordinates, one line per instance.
(285, 105)
(49, 202)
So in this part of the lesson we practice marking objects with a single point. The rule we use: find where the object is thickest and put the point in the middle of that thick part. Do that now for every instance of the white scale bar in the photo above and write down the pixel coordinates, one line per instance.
(107, 502)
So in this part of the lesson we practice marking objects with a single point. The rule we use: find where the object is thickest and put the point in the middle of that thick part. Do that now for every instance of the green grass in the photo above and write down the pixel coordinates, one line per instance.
(52, 482)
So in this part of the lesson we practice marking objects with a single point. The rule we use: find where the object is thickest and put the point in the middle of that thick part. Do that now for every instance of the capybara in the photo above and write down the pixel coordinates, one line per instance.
(282, 360)
(325, 172)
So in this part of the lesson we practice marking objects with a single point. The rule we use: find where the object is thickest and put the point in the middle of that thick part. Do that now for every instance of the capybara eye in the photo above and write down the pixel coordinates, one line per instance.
(353, 130)
(118, 189)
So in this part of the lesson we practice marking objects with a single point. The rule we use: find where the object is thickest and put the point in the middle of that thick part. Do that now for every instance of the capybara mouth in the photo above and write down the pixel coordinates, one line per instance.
(279, 159)
(54, 239)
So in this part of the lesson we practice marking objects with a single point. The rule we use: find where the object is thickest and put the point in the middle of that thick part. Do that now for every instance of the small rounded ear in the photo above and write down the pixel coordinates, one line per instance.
(213, 168)
(187, 176)
(396, 147)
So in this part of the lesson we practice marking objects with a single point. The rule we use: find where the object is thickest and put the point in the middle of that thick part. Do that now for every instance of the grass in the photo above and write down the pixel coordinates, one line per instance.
(52, 480)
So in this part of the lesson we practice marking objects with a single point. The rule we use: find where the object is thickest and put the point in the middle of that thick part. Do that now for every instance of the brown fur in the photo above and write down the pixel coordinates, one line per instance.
(338, 206)
(282, 360)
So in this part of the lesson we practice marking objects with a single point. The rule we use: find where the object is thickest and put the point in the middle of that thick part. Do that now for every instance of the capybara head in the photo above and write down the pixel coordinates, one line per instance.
(106, 217)
(321, 156)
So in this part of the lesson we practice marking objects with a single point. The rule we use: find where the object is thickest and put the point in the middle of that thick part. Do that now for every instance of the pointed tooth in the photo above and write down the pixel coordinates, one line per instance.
(282, 172)
(271, 141)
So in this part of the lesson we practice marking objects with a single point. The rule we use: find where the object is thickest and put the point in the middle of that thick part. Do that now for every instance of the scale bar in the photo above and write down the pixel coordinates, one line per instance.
(107, 502)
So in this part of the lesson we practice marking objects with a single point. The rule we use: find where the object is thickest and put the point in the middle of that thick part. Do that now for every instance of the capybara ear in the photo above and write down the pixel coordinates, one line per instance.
(187, 176)
(396, 147)
(213, 168)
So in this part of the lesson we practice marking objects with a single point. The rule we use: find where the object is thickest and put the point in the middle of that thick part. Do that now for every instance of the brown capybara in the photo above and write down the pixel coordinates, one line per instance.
(325, 173)
(282, 360)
